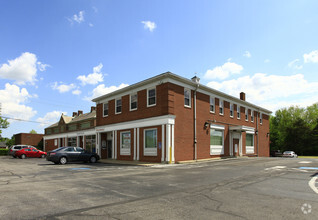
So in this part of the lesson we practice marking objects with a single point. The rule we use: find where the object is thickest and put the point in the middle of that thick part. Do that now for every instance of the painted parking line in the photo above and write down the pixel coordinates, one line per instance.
(80, 168)
(312, 184)
(304, 162)
(308, 168)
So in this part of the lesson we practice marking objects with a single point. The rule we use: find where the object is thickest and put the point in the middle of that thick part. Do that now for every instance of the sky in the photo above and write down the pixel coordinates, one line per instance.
(55, 56)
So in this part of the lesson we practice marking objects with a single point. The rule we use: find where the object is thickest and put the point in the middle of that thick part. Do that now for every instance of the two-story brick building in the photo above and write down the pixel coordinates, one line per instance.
(168, 118)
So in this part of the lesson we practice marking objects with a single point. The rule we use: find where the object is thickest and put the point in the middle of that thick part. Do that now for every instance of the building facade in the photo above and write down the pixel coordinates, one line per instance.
(168, 118)
(28, 139)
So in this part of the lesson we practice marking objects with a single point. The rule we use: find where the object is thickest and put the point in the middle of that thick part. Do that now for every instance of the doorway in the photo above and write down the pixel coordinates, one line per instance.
(236, 146)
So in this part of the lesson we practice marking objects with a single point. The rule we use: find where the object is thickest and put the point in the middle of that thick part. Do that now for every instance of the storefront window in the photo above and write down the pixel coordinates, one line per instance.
(150, 142)
(90, 143)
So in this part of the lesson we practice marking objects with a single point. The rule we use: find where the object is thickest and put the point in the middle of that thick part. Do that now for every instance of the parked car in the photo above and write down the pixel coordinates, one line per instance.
(30, 152)
(276, 153)
(15, 148)
(289, 154)
(64, 155)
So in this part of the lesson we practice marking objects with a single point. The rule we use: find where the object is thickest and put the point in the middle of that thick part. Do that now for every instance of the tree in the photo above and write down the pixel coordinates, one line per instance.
(3, 124)
(33, 132)
(11, 141)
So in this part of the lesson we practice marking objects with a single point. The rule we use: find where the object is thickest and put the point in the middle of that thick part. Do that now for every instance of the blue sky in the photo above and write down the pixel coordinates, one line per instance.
(55, 56)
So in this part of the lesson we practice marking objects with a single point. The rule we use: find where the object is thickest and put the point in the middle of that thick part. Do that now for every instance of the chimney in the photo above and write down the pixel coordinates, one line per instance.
(196, 79)
(74, 114)
(93, 108)
(242, 96)
(80, 112)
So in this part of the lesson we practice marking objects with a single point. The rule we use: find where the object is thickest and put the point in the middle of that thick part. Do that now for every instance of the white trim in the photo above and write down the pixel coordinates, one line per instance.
(121, 107)
(135, 137)
(168, 140)
(115, 145)
(189, 91)
(162, 143)
(217, 149)
(124, 151)
(138, 144)
(91, 131)
(172, 143)
(130, 102)
(148, 96)
(148, 122)
(217, 127)
(152, 151)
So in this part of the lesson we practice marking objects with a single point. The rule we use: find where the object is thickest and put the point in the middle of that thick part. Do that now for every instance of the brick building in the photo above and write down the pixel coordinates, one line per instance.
(28, 139)
(168, 118)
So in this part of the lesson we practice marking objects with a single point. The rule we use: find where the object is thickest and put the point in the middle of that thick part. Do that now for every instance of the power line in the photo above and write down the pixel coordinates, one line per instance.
(19, 119)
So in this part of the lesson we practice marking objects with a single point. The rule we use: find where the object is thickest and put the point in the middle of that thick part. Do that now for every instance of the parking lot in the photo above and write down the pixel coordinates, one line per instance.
(245, 188)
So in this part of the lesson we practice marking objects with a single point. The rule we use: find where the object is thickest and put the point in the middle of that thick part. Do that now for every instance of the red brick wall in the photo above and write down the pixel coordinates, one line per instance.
(49, 145)
(28, 139)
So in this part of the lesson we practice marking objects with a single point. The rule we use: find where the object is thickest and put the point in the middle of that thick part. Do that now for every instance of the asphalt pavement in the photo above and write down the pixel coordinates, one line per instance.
(244, 188)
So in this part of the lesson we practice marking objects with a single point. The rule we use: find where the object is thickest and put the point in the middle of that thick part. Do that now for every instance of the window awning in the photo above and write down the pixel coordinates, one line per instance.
(242, 128)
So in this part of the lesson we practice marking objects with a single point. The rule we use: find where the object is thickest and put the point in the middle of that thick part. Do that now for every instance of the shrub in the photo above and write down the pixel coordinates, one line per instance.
(3, 152)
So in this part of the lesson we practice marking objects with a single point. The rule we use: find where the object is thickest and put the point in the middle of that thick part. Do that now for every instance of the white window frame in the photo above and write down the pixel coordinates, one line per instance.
(261, 118)
(121, 107)
(55, 142)
(189, 92)
(221, 106)
(125, 151)
(212, 104)
(133, 109)
(148, 96)
(249, 149)
(104, 109)
(238, 112)
(246, 114)
(231, 110)
(150, 152)
(217, 149)
(252, 115)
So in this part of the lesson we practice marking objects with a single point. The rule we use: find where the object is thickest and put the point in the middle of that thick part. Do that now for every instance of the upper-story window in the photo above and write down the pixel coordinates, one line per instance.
(221, 107)
(252, 116)
(151, 97)
(246, 114)
(105, 110)
(238, 112)
(187, 97)
(212, 104)
(261, 118)
(118, 106)
(133, 102)
(231, 110)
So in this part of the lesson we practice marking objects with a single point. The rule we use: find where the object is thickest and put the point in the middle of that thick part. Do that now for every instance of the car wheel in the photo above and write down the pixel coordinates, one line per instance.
(14, 156)
(43, 155)
(56, 162)
(93, 159)
(63, 160)
(23, 156)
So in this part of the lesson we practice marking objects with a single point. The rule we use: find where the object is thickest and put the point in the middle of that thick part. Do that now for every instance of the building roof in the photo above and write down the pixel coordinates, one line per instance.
(174, 77)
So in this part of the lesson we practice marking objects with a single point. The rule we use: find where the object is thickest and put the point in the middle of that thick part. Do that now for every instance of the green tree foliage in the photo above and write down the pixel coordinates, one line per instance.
(33, 132)
(11, 141)
(295, 129)
(3, 124)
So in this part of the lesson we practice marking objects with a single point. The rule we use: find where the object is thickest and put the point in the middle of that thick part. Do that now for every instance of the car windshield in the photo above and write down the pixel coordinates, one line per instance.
(58, 149)
(288, 152)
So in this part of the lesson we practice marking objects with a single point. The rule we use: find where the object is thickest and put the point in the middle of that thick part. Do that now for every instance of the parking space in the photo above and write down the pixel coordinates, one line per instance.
(226, 189)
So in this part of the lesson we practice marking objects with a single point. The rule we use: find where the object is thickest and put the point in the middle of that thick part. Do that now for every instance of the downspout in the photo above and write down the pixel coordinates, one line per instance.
(257, 136)
(195, 122)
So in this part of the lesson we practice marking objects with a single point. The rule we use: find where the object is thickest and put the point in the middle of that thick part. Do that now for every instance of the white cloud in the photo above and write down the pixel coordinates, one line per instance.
(76, 92)
(92, 78)
(267, 61)
(79, 18)
(62, 88)
(13, 99)
(293, 64)
(50, 118)
(224, 71)
(311, 57)
(22, 69)
(247, 54)
(264, 90)
(103, 90)
(149, 25)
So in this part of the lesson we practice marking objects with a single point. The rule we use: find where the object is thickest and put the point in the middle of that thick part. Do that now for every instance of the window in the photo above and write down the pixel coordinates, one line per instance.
(151, 96)
(90, 143)
(118, 106)
(85, 125)
(216, 142)
(72, 141)
(69, 149)
(55, 142)
(246, 114)
(48, 131)
(212, 106)
(125, 143)
(231, 110)
(261, 118)
(221, 107)
(150, 142)
(72, 127)
(56, 130)
(238, 111)
(187, 97)
(249, 143)
(133, 102)
(105, 111)
(252, 116)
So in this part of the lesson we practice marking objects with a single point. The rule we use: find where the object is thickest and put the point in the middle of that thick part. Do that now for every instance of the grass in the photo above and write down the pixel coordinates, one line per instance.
(308, 157)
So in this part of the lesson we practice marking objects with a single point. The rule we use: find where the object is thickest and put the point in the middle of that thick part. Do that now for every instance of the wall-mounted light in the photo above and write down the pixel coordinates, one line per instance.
(256, 132)
(206, 125)
(267, 134)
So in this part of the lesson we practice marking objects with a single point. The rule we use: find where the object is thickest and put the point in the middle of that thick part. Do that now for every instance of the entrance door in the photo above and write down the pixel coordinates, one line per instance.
(236, 144)
(109, 149)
